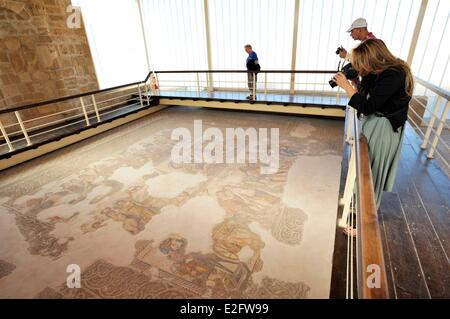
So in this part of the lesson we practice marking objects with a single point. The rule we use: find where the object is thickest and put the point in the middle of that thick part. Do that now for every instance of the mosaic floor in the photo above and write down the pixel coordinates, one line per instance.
(140, 226)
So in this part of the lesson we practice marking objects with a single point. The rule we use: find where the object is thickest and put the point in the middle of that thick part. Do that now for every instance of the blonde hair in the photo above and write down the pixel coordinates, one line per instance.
(373, 56)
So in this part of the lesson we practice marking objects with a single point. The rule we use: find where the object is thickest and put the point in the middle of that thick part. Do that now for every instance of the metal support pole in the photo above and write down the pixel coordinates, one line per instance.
(436, 108)
(24, 131)
(141, 20)
(84, 112)
(208, 46)
(5, 135)
(140, 95)
(417, 28)
(439, 130)
(95, 108)
(294, 45)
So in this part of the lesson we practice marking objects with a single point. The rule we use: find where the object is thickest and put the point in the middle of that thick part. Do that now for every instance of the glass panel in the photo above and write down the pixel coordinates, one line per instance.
(431, 59)
(265, 24)
(176, 40)
(115, 38)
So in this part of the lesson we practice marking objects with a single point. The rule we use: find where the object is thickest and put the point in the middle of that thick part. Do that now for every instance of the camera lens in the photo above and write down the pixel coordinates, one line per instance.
(332, 83)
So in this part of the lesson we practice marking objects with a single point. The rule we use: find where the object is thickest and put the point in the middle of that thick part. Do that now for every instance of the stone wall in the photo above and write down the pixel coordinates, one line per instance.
(40, 56)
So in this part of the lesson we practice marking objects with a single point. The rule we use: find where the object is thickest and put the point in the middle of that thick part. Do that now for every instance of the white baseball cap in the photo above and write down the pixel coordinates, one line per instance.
(358, 23)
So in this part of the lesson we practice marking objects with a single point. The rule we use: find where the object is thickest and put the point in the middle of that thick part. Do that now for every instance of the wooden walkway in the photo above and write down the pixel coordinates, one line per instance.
(415, 221)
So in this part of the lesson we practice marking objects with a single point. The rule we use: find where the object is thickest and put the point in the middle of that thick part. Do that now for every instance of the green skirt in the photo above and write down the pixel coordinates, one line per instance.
(384, 151)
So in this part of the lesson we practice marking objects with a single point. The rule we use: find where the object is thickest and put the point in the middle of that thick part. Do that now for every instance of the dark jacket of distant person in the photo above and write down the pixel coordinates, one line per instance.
(253, 62)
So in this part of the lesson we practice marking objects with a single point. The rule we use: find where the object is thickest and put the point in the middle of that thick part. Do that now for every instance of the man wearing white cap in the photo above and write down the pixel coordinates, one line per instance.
(358, 31)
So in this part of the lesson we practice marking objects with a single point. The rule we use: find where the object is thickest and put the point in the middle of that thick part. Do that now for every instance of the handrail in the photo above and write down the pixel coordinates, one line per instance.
(432, 115)
(247, 71)
(439, 91)
(370, 246)
(64, 98)
(428, 85)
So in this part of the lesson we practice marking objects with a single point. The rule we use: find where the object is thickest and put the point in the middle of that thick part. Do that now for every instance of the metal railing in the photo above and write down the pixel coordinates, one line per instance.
(428, 115)
(262, 83)
(366, 271)
(23, 127)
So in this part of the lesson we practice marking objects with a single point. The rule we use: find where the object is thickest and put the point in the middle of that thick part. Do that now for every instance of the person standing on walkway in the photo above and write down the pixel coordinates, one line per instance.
(252, 64)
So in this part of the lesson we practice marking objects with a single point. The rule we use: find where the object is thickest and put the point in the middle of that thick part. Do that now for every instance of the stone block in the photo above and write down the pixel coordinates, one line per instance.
(4, 57)
(68, 72)
(45, 39)
(10, 90)
(50, 3)
(18, 63)
(12, 43)
(42, 75)
(47, 55)
(24, 77)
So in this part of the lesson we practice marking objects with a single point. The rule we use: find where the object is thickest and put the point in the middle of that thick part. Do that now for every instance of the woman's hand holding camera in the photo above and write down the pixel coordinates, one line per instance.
(342, 81)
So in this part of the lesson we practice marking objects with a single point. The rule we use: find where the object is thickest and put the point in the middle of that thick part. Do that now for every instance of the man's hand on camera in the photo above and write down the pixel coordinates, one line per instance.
(342, 53)
(342, 81)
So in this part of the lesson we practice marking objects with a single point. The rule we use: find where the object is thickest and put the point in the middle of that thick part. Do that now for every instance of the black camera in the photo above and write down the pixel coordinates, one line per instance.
(349, 72)
(338, 50)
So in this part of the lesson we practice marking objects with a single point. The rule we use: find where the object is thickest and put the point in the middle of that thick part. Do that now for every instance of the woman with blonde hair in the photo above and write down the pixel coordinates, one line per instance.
(382, 96)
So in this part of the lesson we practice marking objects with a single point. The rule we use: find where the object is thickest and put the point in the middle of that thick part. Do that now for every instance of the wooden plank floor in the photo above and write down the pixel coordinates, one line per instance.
(415, 221)
(442, 148)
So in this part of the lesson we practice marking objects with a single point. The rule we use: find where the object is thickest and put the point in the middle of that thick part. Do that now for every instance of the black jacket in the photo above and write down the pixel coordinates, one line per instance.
(253, 65)
(383, 95)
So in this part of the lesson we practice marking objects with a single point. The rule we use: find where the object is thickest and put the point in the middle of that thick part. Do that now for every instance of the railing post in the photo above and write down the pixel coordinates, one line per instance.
(265, 83)
(439, 130)
(147, 93)
(157, 81)
(5, 135)
(348, 135)
(140, 95)
(84, 112)
(349, 189)
(198, 83)
(24, 131)
(338, 95)
(254, 85)
(436, 108)
(95, 108)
